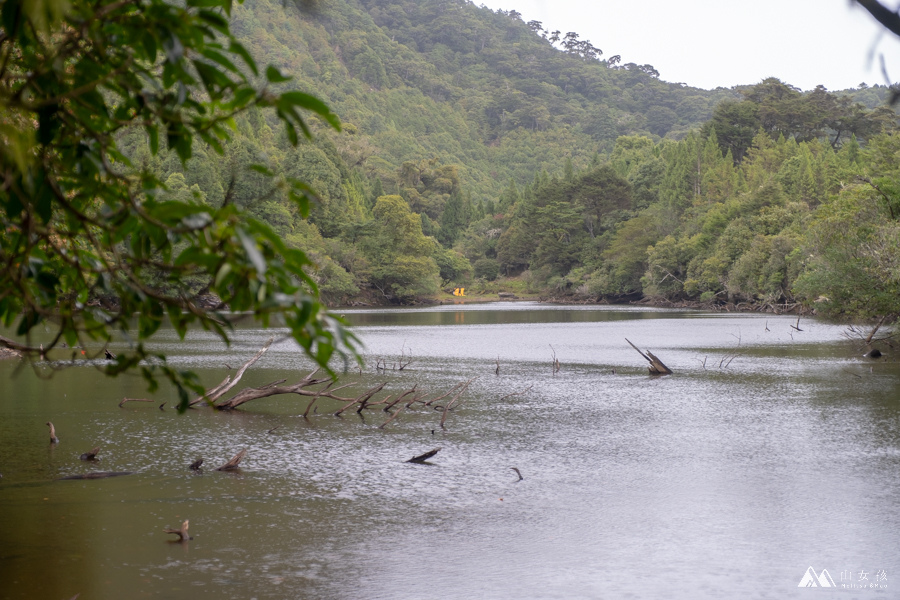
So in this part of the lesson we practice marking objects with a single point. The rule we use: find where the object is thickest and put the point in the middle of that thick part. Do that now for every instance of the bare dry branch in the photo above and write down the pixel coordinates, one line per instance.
(227, 384)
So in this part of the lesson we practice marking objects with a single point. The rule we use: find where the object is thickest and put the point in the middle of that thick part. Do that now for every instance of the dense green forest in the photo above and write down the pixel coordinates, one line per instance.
(478, 148)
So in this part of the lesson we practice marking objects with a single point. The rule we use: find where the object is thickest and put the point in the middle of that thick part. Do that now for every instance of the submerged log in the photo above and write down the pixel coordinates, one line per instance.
(97, 475)
(232, 464)
(423, 457)
(53, 438)
(656, 366)
(181, 533)
(90, 454)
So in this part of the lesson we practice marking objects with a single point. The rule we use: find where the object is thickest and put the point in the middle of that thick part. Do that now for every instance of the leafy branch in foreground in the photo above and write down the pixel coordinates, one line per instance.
(88, 240)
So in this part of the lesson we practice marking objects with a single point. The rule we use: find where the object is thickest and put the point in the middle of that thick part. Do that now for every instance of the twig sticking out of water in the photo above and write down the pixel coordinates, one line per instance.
(400, 397)
(232, 464)
(423, 457)
(555, 360)
(726, 360)
(403, 365)
(517, 473)
(181, 533)
(53, 438)
(797, 326)
(401, 409)
(497, 370)
(454, 402)
(324, 390)
(362, 400)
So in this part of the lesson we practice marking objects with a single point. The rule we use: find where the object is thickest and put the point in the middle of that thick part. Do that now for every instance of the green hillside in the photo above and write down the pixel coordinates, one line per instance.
(476, 146)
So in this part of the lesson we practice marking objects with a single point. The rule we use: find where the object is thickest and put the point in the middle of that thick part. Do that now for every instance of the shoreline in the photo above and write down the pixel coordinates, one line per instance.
(442, 299)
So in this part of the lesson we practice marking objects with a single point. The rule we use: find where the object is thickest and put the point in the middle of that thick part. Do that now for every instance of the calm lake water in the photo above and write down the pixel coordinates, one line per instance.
(769, 451)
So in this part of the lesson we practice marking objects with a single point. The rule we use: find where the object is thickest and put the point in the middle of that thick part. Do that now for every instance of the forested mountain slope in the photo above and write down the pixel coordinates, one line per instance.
(475, 145)
(417, 80)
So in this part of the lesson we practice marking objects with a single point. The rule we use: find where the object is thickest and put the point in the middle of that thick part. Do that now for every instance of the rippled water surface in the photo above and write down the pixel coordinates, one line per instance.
(774, 447)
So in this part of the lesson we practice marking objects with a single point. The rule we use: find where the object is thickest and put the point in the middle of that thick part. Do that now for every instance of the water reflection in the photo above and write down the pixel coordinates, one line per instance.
(727, 479)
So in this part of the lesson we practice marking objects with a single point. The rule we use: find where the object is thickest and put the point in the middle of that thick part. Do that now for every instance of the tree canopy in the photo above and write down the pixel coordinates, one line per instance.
(89, 238)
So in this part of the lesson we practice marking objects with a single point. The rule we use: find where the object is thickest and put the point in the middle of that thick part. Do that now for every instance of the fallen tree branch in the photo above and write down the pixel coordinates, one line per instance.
(228, 383)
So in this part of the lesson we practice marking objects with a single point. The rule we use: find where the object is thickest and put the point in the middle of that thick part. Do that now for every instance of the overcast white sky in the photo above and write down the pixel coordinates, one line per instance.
(711, 43)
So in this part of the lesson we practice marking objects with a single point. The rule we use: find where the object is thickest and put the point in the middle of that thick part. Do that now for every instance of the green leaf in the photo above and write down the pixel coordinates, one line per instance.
(239, 49)
(273, 75)
(153, 135)
(253, 252)
(310, 103)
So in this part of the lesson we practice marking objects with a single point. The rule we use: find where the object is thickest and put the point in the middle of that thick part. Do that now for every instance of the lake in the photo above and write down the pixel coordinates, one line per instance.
(772, 449)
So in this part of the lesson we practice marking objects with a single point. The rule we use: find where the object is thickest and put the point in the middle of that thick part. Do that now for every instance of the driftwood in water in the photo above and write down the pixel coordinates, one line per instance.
(423, 457)
(90, 454)
(53, 438)
(232, 464)
(181, 533)
(195, 466)
(228, 383)
(97, 475)
(656, 366)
